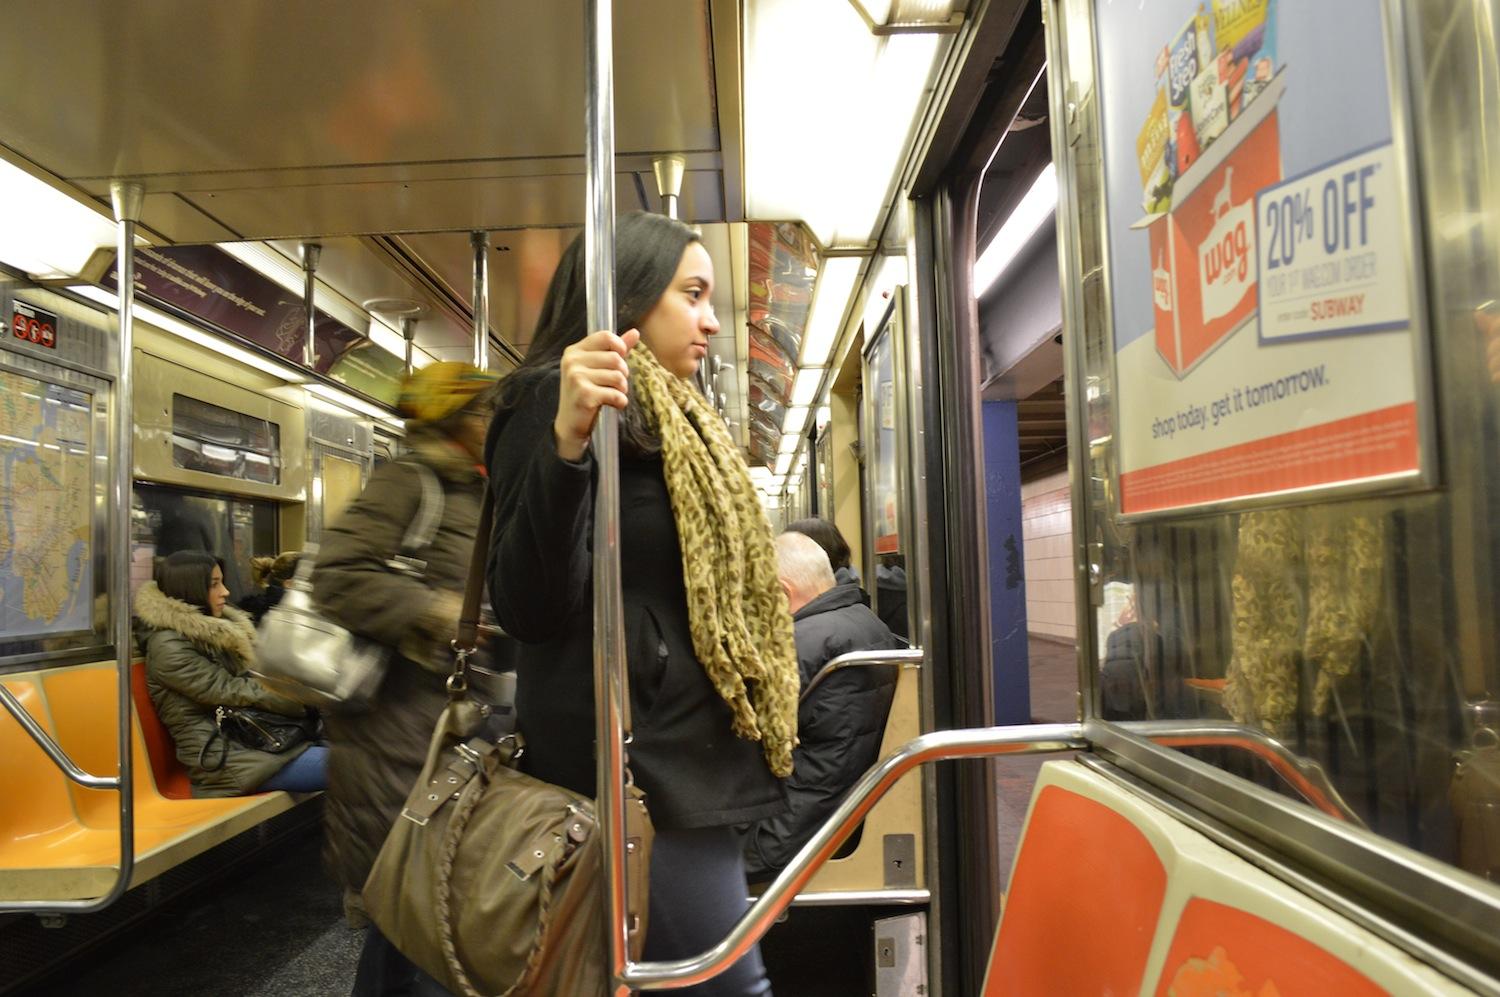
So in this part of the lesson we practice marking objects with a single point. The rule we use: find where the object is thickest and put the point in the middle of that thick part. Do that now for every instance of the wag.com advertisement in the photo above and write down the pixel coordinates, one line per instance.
(1260, 251)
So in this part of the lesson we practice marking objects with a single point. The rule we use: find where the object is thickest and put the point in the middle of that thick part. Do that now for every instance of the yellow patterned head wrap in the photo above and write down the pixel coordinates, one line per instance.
(434, 392)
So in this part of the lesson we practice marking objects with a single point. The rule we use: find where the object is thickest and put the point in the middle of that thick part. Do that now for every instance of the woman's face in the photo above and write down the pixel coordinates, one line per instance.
(218, 593)
(678, 326)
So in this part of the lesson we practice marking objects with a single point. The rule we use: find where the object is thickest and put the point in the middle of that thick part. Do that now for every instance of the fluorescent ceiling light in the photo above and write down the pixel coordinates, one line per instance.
(272, 265)
(789, 444)
(349, 401)
(825, 319)
(193, 334)
(783, 464)
(47, 233)
(386, 338)
(795, 420)
(805, 388)
(1039, 204)
(859, 97)
(269, 264)
(390, 339)
(825, 416)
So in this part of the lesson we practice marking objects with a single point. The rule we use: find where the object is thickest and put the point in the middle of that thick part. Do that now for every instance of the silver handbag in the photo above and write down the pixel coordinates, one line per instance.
(305, 656)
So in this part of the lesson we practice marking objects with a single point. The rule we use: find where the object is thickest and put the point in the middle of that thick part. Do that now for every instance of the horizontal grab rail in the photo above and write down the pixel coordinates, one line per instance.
(935, 747)
(864, 659)
(1303, 774)
(52, 748)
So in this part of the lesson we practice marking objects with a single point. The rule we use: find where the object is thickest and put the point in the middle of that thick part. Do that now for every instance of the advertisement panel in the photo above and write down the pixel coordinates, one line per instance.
(1265, 294)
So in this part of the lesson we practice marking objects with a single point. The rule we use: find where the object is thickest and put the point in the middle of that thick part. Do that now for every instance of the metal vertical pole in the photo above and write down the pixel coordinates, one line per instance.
(609, 611)
(480, 241)
(409, 333)
(311, 253)
(668, 172)
(126, 199)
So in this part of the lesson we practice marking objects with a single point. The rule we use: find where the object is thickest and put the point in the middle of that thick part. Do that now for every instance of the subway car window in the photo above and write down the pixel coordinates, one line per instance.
(208, 437)
(1358, 631)
(166, 520)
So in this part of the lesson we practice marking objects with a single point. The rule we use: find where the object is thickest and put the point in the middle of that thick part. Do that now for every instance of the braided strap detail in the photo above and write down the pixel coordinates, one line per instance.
(461, 814)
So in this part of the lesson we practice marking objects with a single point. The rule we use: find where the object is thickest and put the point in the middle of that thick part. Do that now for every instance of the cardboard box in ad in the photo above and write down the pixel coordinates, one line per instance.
(1204, 269)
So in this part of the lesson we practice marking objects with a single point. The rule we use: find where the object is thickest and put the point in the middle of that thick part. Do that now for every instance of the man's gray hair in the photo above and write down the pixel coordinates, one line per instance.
(803, 565)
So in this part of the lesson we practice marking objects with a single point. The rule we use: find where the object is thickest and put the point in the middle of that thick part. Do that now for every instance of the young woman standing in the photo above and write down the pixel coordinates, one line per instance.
(712, 667)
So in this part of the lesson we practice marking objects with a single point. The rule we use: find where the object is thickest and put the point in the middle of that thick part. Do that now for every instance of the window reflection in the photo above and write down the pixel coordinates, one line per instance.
(166, 520)
(218, 440)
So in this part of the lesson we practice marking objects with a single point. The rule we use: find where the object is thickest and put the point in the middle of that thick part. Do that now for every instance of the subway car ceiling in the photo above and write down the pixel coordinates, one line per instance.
(388, 131)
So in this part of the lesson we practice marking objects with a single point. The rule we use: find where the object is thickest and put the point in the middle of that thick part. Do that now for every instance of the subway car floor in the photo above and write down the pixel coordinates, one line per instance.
(276, 928)
(273, 928)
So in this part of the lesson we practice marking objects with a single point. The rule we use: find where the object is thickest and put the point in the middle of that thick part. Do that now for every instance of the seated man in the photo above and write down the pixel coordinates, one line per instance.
(841, 723)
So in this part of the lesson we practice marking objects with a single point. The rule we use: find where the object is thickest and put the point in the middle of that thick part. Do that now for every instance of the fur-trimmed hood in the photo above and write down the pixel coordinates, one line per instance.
(233, 632)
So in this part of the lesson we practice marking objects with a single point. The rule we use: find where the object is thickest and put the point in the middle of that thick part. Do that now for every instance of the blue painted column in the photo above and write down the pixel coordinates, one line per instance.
(1002, 492)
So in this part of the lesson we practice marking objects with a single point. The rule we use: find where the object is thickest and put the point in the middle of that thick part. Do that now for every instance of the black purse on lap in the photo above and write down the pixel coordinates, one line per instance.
(259, 730)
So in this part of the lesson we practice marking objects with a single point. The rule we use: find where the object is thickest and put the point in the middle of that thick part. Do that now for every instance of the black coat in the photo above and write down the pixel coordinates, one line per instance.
(840, 725)
(694, 770)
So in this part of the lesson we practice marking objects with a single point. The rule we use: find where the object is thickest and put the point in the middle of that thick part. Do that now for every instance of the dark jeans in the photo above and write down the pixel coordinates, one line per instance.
(697, 894)
(384, 972)
(307, 773)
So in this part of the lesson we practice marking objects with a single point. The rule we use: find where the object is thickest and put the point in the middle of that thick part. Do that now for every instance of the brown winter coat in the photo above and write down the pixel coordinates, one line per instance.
(376, 755)
(194, 663)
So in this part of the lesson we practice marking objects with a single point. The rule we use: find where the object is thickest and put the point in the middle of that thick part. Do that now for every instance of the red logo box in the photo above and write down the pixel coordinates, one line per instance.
(1204, 263)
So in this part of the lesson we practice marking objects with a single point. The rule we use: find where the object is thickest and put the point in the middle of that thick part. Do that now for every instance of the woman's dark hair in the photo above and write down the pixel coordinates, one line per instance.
(825, 535)
(648, 250)
(186, 575)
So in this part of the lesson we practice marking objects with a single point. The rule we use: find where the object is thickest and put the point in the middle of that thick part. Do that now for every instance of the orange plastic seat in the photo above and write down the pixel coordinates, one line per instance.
(84, 713)
(59, 840)
(171, 778)
(39, 827)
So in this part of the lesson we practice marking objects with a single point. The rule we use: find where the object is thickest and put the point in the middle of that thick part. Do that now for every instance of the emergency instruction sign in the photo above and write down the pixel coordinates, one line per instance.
(1260, 237)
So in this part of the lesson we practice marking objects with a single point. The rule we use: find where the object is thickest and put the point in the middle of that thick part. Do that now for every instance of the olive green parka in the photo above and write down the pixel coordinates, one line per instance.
(194, 663)
(376, 755)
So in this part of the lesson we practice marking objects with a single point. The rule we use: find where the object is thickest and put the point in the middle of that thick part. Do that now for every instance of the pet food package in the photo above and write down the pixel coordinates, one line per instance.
(1185, 55)
(1152, 147)
(1245, 33)
(1209, 104)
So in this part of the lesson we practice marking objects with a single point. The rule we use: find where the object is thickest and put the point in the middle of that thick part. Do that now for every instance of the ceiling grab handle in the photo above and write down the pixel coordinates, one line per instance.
(127, 199)
(609, 611)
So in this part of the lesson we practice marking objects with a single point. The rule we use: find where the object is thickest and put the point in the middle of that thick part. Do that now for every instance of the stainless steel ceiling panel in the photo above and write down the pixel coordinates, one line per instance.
(149, 87)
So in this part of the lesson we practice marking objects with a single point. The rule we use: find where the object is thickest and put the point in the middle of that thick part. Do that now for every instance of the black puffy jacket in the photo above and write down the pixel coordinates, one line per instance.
(839, 725)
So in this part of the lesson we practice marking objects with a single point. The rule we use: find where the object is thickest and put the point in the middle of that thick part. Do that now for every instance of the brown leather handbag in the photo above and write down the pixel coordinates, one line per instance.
(491, 880)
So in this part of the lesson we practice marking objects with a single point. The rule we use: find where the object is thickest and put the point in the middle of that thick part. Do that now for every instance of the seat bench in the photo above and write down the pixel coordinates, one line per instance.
(60, 840)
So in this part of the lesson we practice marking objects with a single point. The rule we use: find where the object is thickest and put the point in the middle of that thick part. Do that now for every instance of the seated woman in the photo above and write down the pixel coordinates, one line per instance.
(197, 648)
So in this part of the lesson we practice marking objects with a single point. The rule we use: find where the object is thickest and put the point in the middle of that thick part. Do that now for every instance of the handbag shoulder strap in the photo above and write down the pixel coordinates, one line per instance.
(468, 621)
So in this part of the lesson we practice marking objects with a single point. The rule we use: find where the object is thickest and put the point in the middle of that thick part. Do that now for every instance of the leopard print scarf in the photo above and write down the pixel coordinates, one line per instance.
(737, 611)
